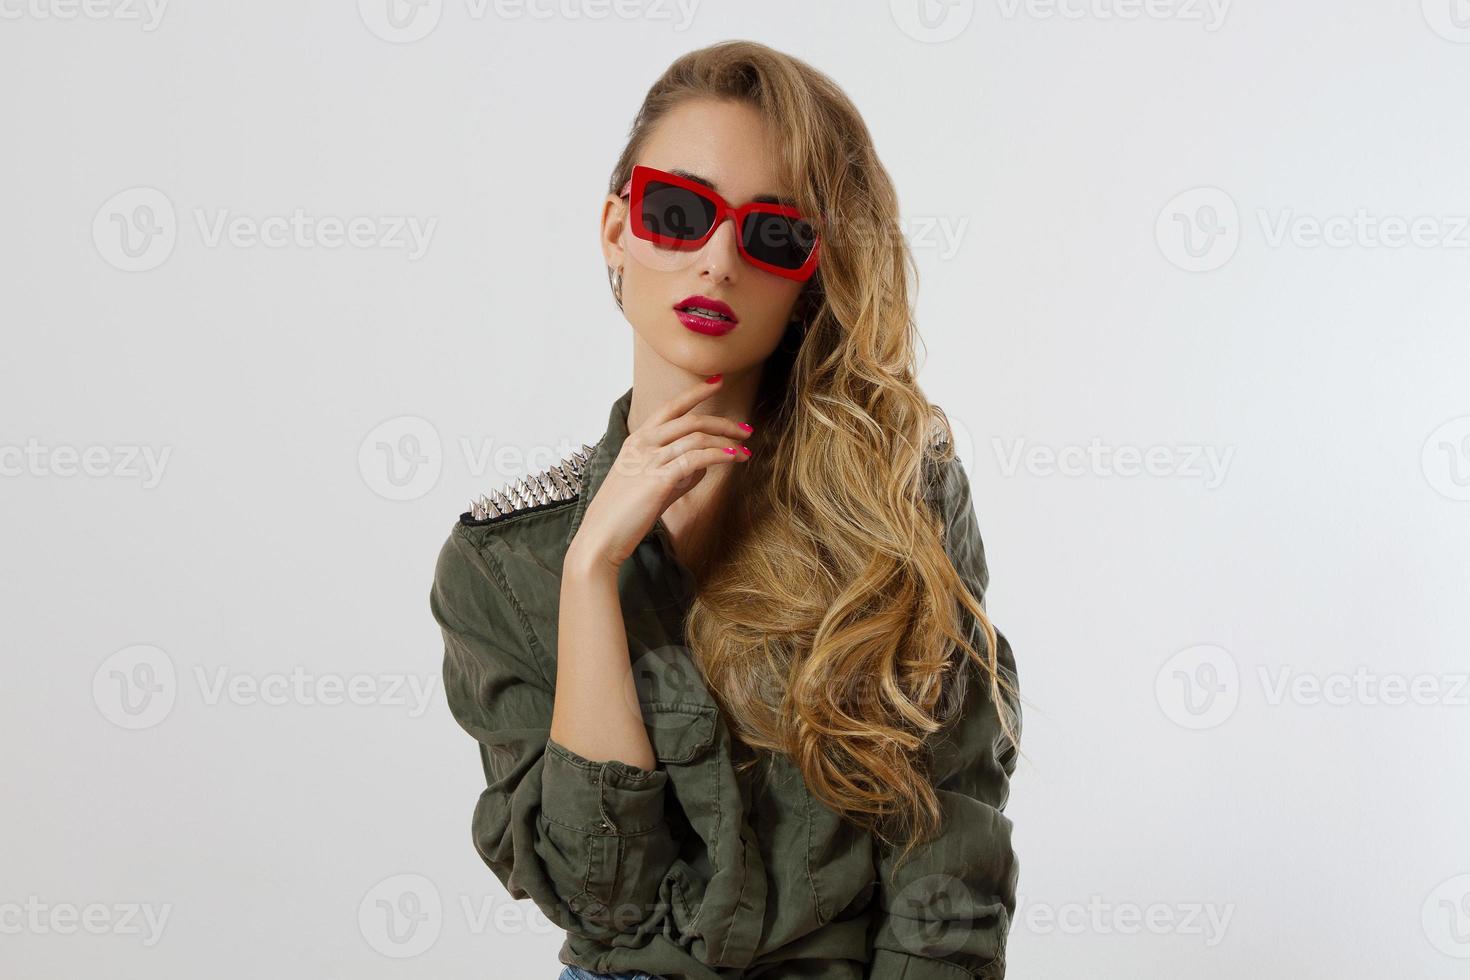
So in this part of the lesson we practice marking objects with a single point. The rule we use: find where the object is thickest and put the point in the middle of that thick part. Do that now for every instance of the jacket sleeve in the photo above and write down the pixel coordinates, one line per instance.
(946, 915)
(586, 841)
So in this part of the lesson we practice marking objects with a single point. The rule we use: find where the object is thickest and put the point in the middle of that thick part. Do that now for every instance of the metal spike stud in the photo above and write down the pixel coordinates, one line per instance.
(561, 481)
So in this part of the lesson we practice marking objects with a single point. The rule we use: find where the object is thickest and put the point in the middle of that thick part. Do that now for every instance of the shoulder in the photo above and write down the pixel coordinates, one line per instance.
(500, 551)
(946, 484)
(948, 492)
(556, 486)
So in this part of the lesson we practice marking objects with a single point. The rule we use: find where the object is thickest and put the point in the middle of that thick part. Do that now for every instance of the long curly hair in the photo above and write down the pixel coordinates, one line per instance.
(831, 630)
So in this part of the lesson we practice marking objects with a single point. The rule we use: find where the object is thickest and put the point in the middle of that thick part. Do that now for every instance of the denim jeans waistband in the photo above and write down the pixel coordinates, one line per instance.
(577, 973)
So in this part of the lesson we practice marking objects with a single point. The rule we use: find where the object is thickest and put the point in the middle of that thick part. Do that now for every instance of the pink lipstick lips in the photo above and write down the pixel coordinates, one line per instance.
(707, 316)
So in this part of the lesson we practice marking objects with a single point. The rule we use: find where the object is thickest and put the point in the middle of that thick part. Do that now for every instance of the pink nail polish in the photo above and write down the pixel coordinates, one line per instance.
(746, 426)
(730, 450)
(713, 378)
(747, 450)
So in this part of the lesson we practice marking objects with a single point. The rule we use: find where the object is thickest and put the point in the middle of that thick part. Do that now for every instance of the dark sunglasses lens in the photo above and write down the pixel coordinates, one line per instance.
(676, 212)
(778, 240)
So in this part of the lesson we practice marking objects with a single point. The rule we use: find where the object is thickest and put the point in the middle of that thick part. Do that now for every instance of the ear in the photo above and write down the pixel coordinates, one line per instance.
(614, 222)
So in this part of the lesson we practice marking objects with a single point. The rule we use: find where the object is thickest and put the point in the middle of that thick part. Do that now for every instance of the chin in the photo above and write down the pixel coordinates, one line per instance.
(697, 355)
(689, 350)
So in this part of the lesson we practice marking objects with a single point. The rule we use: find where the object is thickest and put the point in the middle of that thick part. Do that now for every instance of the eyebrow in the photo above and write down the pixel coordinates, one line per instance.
(759, 198)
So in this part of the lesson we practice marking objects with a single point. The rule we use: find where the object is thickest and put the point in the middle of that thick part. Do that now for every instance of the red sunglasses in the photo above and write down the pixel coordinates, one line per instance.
(674, 212)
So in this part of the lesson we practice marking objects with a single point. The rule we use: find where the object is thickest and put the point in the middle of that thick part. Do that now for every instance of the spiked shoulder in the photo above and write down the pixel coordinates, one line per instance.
(557, 484)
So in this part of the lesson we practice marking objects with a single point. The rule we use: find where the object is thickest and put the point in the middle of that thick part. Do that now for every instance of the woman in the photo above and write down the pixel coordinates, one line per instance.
(740, 708)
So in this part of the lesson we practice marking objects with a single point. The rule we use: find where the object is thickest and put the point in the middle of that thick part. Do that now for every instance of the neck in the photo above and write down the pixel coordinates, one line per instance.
(656, 380)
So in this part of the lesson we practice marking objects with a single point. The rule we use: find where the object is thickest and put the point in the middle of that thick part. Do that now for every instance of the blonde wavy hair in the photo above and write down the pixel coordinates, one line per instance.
(827, 631)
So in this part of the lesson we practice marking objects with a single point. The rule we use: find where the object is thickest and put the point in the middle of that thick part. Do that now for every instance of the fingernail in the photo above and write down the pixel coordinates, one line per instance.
(730, 450)
(746, 427)
(747, 450)
(713, 378)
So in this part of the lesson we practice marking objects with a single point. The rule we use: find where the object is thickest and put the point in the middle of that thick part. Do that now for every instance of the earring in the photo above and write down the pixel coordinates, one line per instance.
(616, 279)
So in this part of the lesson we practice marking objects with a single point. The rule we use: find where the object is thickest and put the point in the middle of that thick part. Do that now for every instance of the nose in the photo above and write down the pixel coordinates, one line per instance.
(720, 256)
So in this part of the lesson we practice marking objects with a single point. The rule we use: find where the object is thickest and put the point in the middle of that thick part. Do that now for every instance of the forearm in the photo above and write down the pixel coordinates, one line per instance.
(596, 712)
(586, 839)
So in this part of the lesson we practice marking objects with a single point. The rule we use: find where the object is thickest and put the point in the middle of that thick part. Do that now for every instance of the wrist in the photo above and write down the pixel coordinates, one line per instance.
(588, 564)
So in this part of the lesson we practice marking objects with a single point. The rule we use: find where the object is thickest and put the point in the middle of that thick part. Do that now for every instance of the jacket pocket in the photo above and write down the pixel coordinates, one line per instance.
(679, 732)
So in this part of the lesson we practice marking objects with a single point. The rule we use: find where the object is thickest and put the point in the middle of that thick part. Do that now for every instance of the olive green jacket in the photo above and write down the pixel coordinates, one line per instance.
(690, 871)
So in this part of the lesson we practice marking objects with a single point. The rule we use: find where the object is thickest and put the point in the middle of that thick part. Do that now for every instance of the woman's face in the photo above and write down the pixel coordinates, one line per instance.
(726, 144)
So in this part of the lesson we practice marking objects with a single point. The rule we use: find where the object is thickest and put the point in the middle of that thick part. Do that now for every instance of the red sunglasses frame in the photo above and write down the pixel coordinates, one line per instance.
(637, 185)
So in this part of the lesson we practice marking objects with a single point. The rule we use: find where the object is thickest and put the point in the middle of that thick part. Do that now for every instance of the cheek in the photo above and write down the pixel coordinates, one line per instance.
(766, 313)
(776, 301)
(656, 259)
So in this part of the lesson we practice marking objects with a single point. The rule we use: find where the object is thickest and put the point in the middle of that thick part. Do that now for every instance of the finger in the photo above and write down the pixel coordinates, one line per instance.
(684, 401)
(698, 440)
(666, 433)
(696, 461)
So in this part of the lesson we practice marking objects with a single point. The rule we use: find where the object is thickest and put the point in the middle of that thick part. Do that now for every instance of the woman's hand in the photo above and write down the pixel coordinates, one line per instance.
(659, 462)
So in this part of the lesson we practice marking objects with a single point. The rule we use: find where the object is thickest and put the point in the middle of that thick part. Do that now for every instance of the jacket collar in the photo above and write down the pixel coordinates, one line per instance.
(599, 464)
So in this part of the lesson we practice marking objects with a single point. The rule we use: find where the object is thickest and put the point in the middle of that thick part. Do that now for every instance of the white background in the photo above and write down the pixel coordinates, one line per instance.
(1071, 299)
